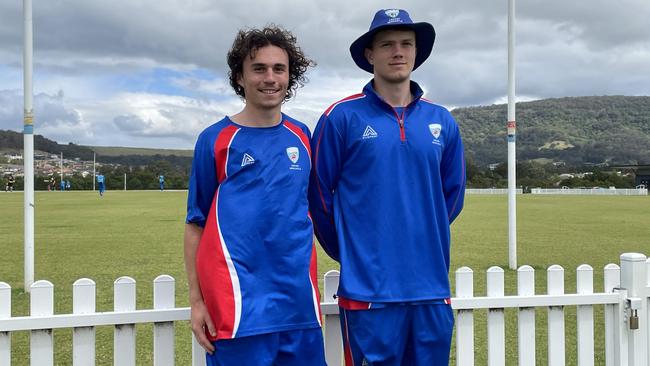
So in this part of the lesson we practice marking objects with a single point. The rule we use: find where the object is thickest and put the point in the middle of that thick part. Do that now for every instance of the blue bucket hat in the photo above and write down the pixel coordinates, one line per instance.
(384, 19)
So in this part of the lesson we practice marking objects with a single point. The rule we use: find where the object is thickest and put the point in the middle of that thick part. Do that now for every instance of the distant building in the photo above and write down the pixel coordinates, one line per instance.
(641, 173)
(642, 176)
(493, 166)
(14, 156)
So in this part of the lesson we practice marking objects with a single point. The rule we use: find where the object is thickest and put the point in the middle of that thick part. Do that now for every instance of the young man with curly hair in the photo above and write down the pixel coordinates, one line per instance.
(249, 250)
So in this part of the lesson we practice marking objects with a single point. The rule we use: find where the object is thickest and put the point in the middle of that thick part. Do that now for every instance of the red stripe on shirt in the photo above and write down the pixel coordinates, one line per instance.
(351, 97)
(214, 278)
(313, 273)
(301, 134)
(221, 148)
(353, 304)
(317, 180)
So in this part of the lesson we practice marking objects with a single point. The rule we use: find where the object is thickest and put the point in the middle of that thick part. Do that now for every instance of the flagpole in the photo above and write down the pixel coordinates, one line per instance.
(512, 137)
(28, 140)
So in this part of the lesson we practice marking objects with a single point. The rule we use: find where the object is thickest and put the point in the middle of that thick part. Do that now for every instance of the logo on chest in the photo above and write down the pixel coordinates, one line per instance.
(247, 160)
(435, 129)
(294, 155)
(369, 133)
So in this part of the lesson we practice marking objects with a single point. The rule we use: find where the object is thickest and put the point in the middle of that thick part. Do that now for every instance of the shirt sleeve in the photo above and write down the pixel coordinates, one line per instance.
(327, 146)
(203, 181)
(453, 172)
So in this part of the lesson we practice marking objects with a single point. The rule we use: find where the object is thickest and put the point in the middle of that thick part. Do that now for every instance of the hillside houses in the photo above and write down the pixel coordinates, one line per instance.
(44, 164)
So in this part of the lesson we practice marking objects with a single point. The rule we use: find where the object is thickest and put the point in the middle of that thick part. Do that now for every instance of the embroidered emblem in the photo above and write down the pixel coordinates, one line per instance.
(369, 133)
(247, 160)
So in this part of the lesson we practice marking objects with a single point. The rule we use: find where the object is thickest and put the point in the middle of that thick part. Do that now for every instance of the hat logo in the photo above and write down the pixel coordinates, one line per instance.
(392, 12)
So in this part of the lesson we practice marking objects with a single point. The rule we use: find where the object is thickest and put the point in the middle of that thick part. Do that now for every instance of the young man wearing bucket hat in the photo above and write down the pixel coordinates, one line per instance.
(387, 181)
(249, 249)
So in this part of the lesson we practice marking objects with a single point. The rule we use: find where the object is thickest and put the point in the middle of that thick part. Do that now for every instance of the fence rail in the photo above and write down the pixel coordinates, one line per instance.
(592, 191)
(491, 190)
(625, 295)
(566, 191)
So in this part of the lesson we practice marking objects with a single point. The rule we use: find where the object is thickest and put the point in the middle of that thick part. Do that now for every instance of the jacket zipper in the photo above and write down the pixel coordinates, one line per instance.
(400, 121)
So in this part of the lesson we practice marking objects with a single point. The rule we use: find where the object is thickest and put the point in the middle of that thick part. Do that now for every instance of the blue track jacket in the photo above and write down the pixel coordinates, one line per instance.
(386, 184)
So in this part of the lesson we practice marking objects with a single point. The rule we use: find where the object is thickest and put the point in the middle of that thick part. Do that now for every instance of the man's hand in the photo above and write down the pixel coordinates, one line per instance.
(200, 320)
(199, 317)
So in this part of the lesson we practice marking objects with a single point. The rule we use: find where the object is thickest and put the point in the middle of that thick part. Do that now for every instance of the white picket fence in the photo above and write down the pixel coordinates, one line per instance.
(84, 319)
(592, 191)
(626, 292)
(566, 191)
(491, 191)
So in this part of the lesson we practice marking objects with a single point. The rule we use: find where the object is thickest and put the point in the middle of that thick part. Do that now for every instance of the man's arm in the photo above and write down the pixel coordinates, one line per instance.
(327, 154)
(200, 318)
(453, 173)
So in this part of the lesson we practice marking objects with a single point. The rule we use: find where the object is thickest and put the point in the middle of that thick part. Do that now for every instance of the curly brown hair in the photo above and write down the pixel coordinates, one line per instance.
(248, 41)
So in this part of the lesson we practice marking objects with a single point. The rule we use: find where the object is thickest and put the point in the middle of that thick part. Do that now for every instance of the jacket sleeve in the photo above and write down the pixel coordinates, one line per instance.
(327, 146)
(203, 182)
(453, 172)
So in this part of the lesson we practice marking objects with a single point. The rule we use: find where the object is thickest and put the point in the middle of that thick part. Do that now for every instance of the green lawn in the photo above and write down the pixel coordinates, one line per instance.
(139, 234)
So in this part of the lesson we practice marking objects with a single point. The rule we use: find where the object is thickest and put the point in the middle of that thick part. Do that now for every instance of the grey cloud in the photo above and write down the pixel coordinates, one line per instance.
(132, 124)
(50, 111)
(563, 49)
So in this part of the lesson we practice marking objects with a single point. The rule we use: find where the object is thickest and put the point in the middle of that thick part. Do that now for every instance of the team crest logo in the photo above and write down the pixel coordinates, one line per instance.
(392, 12)
(293, 153)
(435, 129)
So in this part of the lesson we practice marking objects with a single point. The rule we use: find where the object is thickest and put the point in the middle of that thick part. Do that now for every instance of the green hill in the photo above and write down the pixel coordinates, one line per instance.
(122, 151)
(577, 131)
(13, 141)
(611, 130)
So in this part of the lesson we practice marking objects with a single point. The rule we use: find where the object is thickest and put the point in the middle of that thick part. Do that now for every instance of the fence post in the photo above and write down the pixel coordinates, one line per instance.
(333, 342)
(585, 316)
(164, 292)
(198, 353)
(5, 312)
(634, 279)
(464, 319)
(526, 316)
(496, 319)
(611, 281)
(41, 342)
(83, 338)
(556, 346)
(646, 313)
(124, 334)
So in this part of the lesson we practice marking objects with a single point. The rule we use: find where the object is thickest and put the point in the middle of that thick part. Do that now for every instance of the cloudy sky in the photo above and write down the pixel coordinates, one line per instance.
(148, 73)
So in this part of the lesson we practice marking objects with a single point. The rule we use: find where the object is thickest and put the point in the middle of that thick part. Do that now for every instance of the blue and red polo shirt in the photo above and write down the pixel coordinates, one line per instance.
(256, 260)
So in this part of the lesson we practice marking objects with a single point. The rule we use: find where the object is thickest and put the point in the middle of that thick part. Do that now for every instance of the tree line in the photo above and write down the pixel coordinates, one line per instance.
(530, 174)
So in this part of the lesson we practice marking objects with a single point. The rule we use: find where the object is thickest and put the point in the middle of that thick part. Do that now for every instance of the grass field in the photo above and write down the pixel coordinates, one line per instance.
(139, 234)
